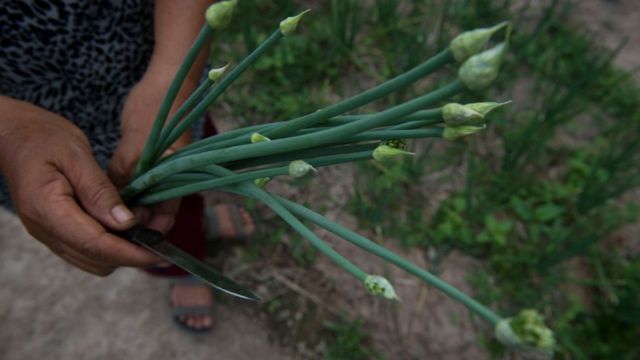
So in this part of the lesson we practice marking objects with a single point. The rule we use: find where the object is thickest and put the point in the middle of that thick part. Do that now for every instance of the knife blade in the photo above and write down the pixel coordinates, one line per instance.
(155, 241)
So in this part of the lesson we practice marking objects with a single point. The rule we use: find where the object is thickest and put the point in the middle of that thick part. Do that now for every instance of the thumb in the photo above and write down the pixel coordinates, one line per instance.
(97, 194)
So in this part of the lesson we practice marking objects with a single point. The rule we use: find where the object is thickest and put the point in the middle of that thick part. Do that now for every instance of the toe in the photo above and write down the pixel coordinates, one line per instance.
(192, 321)
(207, 321)
(247, 221)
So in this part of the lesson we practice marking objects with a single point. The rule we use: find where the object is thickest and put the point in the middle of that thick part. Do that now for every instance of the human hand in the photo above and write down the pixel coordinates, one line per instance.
(60, 193)
(137, 118)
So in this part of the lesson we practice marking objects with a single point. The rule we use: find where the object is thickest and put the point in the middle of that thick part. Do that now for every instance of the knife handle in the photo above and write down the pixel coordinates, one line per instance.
(141, 235)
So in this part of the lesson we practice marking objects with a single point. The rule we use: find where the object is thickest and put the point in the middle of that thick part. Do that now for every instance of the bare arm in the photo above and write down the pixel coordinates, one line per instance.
(177, 23)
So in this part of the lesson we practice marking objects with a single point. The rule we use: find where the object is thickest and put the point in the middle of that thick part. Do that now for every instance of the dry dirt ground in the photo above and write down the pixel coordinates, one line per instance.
(48, 310)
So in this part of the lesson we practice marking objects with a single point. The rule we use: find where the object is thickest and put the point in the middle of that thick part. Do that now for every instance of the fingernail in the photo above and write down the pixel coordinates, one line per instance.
(122, 214)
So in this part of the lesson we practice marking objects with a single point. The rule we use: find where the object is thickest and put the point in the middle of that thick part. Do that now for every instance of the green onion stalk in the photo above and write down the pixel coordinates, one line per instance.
(415, 120)
(244, 160)
(278, 146)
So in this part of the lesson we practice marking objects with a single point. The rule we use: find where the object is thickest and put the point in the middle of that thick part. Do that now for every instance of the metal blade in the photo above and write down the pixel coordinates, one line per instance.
(155, 242)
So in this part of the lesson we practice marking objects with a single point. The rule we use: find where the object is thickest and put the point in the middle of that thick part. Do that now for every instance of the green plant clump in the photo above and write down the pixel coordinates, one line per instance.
(236, 160)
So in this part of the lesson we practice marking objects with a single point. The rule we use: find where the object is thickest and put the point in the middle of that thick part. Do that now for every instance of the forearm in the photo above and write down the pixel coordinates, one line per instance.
(176, 25)
(19, 120)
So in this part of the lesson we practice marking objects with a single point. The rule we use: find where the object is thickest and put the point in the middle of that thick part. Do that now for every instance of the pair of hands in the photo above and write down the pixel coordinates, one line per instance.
(63, 197)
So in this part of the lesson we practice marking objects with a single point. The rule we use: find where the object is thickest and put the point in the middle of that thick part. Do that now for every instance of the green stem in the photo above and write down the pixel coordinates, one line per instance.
(418, 115)
(427, 117)
(278, 208)
(292, 126)
(211, 143)
(365, 97)
(198, 182)
(218, 89)
(150, 147)
(297, 155)
(416, 124)
(387, 134)
(398, 134)
(393, 258)
(278, 146)
(175, 119)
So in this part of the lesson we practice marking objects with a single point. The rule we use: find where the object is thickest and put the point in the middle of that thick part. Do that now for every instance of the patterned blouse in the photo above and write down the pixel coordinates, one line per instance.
(76, 58)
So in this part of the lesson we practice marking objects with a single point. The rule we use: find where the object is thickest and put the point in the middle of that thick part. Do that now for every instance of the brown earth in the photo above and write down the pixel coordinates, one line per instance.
(50, 310)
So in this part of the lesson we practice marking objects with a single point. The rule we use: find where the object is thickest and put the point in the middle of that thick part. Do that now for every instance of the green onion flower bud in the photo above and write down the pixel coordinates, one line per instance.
(472, 42)
(455, 114)
(261, 182)
(215, 74)
(257, 137)
(396, 144)
(379, 286)
(219, 14)
(299, 168)
(527, 333)
(289, 25)
(386, 152)
(480, 70)
(456, 132)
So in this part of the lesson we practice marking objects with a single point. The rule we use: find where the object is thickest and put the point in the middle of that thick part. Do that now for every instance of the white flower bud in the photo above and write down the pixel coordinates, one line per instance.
(472, 42)
(455, 114)
(456, 132)
(386, 152)
(480, 70)
(216, 73)
(219, 14)
(257, 137)
(289, 25)
(379, 286)
(299, 168)
(527, 334)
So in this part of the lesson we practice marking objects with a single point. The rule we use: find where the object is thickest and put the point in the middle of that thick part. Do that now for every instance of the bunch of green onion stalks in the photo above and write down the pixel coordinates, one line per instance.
(244, 160)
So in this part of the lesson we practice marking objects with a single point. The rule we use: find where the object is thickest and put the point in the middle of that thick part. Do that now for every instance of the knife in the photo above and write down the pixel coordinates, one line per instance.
(155, 241)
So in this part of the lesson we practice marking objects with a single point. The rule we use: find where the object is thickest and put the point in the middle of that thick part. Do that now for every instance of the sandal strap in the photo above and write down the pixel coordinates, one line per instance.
(191, 310)
(212, 223)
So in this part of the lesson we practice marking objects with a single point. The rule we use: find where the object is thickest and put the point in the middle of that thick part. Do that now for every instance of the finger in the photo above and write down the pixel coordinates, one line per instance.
(64, 219)
(68, 253)
(121, 167)
(142, 214)
(101, 271)
(163, 215)
(161, 222)
(96, 193)
(72, 257)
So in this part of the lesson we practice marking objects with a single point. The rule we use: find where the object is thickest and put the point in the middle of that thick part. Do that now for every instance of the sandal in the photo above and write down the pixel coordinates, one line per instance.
(178, 311)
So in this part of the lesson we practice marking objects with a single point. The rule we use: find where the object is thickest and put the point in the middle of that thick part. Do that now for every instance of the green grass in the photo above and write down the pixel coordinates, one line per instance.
(542, 188)
(348, 341)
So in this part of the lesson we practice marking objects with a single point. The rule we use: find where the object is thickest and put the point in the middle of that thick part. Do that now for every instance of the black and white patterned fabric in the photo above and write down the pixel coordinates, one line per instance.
(76, 58)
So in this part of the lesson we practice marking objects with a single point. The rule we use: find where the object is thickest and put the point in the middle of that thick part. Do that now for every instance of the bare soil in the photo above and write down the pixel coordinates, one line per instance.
(50, 310)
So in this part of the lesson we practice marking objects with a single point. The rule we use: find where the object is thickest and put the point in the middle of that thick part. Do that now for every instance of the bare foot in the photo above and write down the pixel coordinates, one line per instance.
(193, 295)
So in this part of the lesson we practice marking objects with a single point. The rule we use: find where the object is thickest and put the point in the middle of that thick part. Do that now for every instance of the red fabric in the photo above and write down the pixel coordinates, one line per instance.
(188, 232)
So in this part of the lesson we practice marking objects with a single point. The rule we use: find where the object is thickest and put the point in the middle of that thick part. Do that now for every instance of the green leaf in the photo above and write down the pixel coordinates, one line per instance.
(548, 212)
(522, 208)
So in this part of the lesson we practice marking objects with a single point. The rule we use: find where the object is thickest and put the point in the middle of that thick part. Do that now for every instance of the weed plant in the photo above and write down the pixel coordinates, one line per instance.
(549, 195)
(534, 204)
